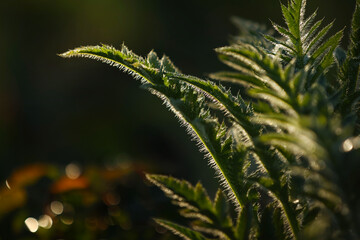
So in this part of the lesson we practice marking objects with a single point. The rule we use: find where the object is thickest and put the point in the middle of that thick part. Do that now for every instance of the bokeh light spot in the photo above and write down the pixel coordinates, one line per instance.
(72, 171)
(45, 221)
(32, 224)
(7, 184)
(57, 207)
(67, 220)
(347, 145)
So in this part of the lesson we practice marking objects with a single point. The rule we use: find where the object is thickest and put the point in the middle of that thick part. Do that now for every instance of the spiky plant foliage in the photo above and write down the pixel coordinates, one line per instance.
(287, 152)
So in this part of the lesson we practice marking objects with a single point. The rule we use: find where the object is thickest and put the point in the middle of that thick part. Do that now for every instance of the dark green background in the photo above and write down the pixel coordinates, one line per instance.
(61, 111)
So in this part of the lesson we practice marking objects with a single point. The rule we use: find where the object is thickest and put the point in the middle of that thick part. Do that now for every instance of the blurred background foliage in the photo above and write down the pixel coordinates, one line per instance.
(56, 113)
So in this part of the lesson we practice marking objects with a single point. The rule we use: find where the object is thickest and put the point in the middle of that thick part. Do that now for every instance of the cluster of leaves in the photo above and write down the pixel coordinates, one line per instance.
(286, 153)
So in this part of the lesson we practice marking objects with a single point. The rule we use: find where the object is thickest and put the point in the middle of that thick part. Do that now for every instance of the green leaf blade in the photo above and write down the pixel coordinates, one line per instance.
(181, 231)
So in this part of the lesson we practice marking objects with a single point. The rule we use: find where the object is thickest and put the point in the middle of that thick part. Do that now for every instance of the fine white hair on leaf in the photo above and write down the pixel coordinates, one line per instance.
(240, 135)
(218, 173)
(285, 219)
(224, 182)
(194, 127)
(212, 231)
(178, 230)
(113, 63)
(214, 100)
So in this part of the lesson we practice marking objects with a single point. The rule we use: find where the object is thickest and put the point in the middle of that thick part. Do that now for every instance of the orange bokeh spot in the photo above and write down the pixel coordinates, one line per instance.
(66, 184)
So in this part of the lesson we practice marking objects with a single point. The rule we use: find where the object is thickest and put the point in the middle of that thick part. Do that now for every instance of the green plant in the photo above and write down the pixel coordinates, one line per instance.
(287, 151)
